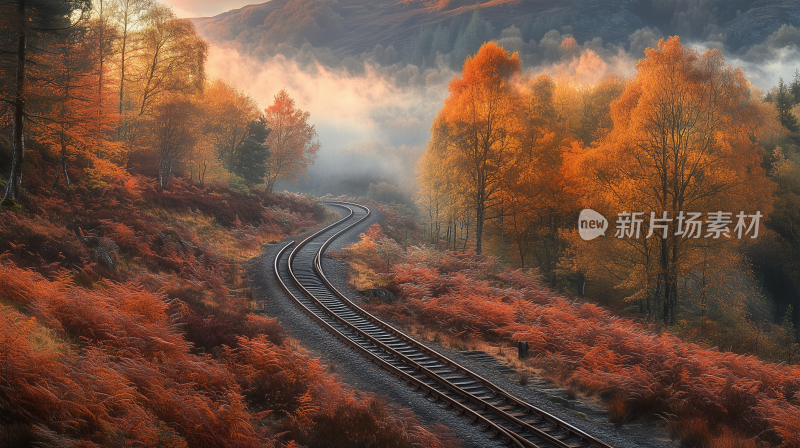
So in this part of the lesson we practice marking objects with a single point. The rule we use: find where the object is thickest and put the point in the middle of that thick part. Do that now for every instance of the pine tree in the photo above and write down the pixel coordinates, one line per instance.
(253, 153)
(795, 87)
(470, 39)
(784, 102)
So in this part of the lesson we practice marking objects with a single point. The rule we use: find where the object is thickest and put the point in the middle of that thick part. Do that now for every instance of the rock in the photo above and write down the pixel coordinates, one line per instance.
(100, 250)
(9, 204)
(378, 294)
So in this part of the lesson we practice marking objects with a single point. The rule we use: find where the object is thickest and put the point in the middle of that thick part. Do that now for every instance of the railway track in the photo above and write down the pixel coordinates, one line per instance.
(514, 421)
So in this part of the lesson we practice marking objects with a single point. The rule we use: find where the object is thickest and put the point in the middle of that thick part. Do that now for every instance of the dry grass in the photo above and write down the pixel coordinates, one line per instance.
(362, 277)
(728, 439)
(161, 348)
(471, 301)
(235, 246)
(617, 411)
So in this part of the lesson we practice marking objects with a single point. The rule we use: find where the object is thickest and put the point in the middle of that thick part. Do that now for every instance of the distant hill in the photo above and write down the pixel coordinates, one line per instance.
(352, 27)
(415, 46)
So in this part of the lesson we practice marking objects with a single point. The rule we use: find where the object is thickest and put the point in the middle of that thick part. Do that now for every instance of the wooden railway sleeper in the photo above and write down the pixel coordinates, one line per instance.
(520, 443)
(317, 267)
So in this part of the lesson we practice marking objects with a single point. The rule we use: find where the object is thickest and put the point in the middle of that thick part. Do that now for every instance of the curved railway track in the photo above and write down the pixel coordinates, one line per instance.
(516, 422)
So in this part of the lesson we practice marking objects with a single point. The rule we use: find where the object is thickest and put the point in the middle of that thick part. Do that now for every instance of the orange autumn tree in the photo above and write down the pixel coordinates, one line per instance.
(292, 141)
(496, 158)
(126, 18)
(540, 196)
(474, 135)
(73, 121)
(227, 115)
(682, 141)
(34, 27)
(172, 59)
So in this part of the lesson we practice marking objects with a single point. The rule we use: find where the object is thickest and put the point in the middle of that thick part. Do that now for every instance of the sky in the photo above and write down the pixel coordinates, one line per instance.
(206, 8)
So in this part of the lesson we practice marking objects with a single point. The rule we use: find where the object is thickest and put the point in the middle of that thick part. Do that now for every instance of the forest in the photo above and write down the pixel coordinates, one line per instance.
(135, 189)
(122, 85)
(514, 157)
(697, 323)
(689, 319)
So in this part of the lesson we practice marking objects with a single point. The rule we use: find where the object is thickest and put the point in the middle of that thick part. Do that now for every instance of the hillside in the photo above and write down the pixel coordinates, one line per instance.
(126, 319)
(351, 27)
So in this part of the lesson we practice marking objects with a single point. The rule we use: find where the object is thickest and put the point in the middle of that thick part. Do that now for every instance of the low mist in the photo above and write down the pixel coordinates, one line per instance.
(373, 111)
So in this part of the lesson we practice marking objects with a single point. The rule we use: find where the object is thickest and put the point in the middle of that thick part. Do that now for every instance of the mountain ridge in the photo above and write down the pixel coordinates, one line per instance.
(352, 27)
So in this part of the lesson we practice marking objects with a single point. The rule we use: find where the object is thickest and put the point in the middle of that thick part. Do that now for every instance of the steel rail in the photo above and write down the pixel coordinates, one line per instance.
(555, 435)
(415, 382)
(562, 425)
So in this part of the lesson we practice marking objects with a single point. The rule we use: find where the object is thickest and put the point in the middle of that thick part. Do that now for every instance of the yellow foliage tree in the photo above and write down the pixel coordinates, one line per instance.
(682, 141)
(227, 113)
(475, 132)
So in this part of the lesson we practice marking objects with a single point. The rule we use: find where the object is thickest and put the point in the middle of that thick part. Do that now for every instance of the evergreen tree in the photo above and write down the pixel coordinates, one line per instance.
(421, 46)
(252, 156)
(795, 87)
(440, 42)
(784, 102)
(469, 41)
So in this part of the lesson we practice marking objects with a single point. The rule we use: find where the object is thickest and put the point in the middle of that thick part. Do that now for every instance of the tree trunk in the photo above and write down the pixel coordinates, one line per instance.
(673, 278)
(455, 234)
(101, 50)
(449, 235)
(479, 214)
(15, 177)
(665, 275)
(62, 165)
(202, 174)
(122, 68)
(466, 238)
(502, 235)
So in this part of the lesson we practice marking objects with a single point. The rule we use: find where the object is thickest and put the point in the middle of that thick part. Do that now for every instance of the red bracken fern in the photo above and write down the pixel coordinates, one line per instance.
(129, 377)
(644, 372)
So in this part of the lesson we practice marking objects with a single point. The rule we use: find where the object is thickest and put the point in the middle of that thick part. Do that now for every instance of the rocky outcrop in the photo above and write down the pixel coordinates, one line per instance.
(378, 295)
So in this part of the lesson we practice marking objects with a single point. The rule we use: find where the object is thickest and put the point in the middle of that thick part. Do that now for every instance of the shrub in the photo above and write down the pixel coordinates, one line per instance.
(127, 379)
(160, 348)
(641, 371)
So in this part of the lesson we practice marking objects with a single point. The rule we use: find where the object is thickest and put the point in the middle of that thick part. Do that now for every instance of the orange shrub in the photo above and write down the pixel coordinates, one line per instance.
(107, 367)
(320, 412)
(127, 376)
(645, 372)
(161, 349)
